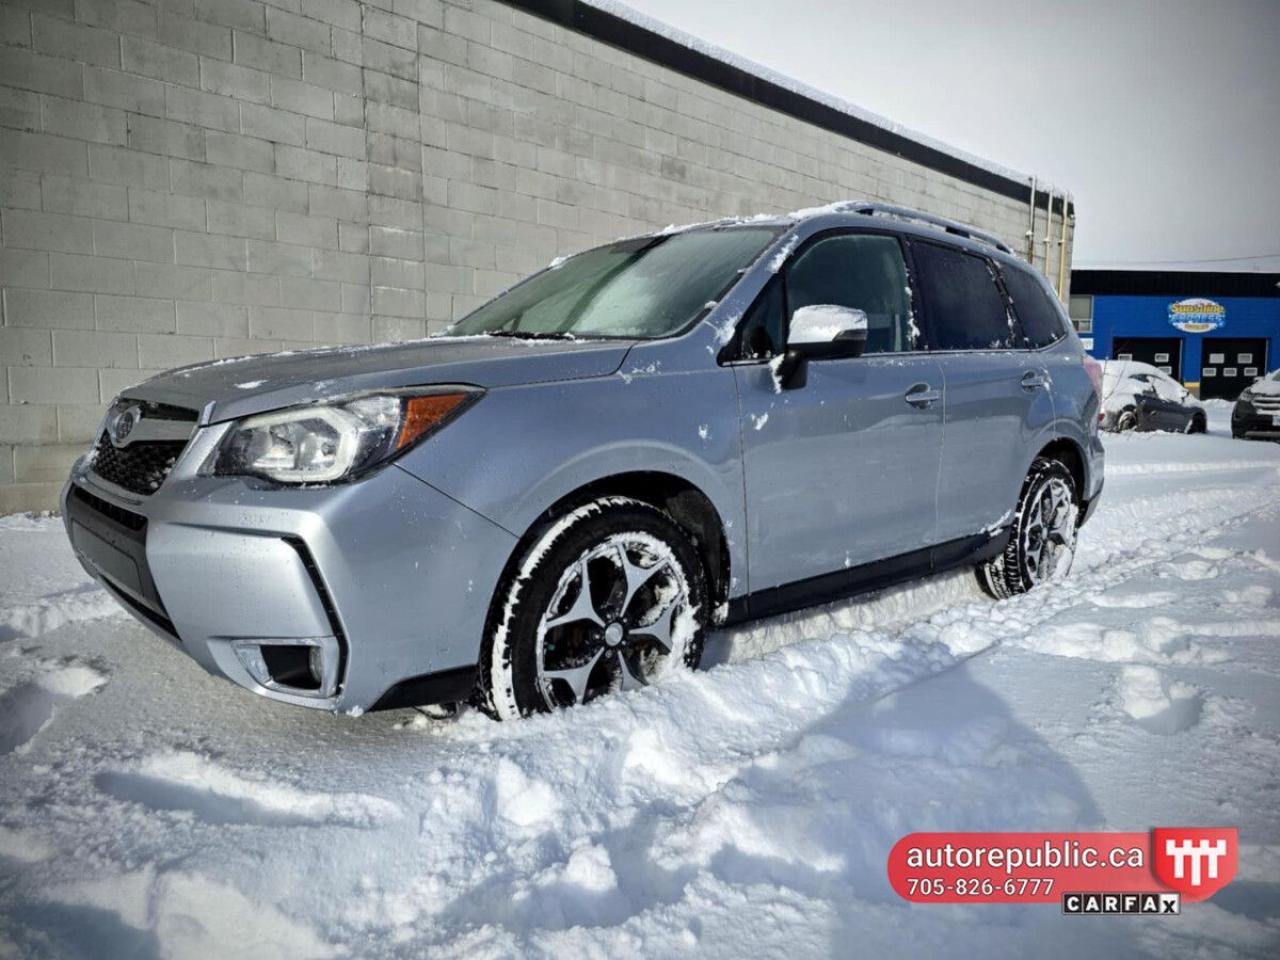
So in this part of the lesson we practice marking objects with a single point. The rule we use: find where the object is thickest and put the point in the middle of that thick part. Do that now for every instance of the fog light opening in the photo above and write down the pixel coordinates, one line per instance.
(304, 667)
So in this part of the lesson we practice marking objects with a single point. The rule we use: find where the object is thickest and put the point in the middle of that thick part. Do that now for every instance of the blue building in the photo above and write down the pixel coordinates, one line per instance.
(1215, 331)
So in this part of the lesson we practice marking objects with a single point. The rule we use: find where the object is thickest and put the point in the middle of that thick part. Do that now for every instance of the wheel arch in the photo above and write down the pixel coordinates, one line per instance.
(1068, 452)
(687, 504)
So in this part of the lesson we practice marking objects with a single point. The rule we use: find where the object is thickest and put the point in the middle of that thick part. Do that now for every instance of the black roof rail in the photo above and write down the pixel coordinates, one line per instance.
(873, 208)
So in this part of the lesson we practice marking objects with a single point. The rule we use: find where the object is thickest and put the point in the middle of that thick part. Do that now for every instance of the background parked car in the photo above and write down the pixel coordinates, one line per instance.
(1257, 411)
(1137, 396)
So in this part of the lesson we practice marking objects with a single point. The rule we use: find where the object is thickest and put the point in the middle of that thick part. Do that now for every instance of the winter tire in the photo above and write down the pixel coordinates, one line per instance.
(607, 597)
(1196, 424)
(1043, 540)
(1127, 420)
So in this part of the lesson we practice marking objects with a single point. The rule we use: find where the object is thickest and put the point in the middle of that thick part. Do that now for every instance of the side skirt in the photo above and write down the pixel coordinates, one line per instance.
(841, 584)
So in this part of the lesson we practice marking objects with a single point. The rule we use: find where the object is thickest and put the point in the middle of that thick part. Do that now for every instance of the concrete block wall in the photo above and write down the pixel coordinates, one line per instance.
(184, 180)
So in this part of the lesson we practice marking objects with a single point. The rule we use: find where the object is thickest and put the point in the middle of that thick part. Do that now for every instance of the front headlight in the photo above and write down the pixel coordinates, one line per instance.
(321, 443)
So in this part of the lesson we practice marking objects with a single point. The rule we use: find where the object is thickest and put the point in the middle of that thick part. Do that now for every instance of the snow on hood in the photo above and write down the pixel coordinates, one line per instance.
(241, 386)
(1269, 387)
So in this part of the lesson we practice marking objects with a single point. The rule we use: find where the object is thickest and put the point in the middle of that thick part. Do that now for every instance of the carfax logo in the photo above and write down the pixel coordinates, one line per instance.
(1197, 315)
(1122, 903)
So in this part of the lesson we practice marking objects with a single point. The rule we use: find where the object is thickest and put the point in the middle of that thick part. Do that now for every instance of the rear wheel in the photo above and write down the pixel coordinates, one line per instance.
(1127, 420)
(609, 597)
(1043, 540)
(1196, 424)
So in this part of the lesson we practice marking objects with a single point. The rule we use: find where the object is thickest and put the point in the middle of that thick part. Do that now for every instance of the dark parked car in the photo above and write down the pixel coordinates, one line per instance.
(1138, 396)
(1257, 411)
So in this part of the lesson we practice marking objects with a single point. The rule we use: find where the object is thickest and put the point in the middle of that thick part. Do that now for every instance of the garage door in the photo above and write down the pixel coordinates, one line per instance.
(1163, 353)
(1229, 364)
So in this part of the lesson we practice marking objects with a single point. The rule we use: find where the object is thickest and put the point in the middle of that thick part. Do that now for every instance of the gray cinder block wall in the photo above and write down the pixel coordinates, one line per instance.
(183, 180)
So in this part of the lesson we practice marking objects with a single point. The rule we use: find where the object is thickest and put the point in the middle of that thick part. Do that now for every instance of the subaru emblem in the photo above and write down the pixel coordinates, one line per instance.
(122, 423)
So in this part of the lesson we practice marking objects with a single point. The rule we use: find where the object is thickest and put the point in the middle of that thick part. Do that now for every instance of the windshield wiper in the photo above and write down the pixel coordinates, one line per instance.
(532, 334)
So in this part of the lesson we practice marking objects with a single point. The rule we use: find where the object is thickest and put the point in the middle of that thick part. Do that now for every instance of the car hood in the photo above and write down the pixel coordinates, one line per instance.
(1265, 388)
(241, 386)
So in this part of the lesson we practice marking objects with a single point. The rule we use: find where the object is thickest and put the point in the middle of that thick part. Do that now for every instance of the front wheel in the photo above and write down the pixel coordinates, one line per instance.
(608, 597)
(1042, 544)
(1127, 421)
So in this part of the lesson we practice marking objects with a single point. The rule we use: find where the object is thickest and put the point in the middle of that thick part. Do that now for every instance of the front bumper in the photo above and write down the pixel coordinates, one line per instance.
(388, 579)
(1248, 421)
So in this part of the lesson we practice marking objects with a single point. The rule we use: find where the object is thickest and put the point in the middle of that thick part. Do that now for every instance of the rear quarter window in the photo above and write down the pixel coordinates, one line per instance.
(1042, 323)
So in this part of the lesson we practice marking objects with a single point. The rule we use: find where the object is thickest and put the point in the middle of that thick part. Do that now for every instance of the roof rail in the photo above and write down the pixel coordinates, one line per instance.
(872, 208)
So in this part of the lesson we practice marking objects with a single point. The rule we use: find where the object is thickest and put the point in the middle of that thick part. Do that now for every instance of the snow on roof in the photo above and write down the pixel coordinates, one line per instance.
(699, 45)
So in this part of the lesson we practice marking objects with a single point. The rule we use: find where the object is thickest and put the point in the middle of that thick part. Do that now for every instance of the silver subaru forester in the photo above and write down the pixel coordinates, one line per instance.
(560, 495)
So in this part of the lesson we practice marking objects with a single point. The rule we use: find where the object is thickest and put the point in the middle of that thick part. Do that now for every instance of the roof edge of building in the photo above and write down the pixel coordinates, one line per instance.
(1174, 283)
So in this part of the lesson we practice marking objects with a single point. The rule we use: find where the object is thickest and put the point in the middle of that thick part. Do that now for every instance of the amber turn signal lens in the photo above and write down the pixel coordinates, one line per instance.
(423, 413)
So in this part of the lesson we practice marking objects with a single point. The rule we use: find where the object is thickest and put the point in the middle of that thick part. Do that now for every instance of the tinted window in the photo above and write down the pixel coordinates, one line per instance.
(762, 326)
(1038, 314)
(864, 271)
(966, 310)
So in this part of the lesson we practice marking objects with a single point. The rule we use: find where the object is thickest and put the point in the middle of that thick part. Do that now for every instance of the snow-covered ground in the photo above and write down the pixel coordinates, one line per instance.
(147, 809)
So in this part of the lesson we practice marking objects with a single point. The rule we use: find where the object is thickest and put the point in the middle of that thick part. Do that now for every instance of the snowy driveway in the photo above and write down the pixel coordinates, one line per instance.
(147, 809)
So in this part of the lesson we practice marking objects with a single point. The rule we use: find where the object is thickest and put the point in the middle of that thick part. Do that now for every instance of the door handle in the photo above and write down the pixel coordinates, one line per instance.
(922, 395)
(1033, 380)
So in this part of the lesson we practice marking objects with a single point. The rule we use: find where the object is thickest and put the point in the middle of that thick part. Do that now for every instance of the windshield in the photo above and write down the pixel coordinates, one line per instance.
(635, 289)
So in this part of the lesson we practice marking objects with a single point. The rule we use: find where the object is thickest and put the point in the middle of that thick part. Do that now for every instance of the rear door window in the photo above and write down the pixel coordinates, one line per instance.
(1041, 322)
(965, 308)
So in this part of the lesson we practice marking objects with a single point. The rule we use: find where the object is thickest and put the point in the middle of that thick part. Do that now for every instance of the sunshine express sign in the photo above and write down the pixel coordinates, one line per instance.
(1197, 315)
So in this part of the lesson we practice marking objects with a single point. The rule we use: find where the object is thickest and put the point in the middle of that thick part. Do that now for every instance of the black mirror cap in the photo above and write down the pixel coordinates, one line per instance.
(793, 370)
(846, 344)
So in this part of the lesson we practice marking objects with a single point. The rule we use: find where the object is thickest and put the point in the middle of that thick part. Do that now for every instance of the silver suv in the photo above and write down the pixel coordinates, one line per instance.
(561, 495)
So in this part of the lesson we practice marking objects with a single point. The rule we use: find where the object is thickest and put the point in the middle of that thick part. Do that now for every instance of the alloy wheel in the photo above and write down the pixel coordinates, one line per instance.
(1049, 535)
(615, 618)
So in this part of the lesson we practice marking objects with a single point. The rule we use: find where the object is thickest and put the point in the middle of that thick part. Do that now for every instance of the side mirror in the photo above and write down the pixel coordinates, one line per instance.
(823, 331)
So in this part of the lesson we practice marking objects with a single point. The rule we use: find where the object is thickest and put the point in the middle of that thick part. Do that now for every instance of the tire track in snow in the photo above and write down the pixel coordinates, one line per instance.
(30, 620)
(186, 781)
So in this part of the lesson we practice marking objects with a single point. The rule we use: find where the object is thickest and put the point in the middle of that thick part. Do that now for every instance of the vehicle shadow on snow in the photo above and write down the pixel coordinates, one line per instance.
(943, 754)
(817, 818)
(67, 930)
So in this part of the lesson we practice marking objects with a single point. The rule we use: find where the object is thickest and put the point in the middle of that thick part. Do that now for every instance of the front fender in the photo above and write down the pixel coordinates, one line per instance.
(521, 449)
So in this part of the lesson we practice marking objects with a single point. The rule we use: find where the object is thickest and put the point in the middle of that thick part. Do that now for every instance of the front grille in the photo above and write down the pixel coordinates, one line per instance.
(1267, 403)
(139, 467)
(142, 466)
(126, 518)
